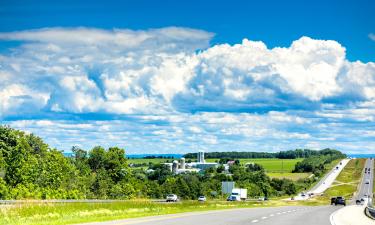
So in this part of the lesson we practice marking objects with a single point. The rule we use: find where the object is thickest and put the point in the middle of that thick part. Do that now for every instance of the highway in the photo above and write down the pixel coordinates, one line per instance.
(289, 215)
(365, 190)
(325, 182)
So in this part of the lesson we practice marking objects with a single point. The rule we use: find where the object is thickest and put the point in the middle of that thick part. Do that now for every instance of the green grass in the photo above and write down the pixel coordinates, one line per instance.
(292, 176)
(271, 165)
(347, 182)
(68, 213)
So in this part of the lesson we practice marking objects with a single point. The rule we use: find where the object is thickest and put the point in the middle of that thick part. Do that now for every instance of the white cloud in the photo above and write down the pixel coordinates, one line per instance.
(154, 89)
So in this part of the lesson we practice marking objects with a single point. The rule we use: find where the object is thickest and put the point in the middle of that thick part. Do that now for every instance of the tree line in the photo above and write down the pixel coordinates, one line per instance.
(291, 154)
(30, 169)
(316, 163)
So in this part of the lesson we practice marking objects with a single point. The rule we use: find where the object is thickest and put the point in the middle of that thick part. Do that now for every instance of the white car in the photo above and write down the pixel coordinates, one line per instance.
(367, 182)
(202, 198)
(172, 198)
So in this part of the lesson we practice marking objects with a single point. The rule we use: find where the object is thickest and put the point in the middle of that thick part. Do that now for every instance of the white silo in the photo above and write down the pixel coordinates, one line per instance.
(201, 157)
(175, 166)
(182, 163)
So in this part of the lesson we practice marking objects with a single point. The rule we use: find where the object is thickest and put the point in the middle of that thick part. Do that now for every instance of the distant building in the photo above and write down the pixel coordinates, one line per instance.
(201, 157)
(183, 167)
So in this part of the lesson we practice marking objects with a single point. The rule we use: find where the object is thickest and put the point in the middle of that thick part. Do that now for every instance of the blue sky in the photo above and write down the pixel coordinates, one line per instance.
(182, 76)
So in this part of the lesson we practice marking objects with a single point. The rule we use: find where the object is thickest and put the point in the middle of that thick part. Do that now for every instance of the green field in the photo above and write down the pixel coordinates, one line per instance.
(292, 176)
(275, 168)
(271, 165)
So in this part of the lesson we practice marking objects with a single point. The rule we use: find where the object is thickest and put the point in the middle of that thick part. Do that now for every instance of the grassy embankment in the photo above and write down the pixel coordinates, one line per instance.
(346, 183)
(70, 213)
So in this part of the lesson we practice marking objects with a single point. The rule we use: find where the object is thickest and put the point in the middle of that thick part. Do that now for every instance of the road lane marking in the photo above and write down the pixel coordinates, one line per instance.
(254, 221)
(271, 215)
(264, 217)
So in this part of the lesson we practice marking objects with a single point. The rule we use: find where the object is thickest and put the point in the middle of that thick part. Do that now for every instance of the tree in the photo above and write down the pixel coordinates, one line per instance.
(97, 158)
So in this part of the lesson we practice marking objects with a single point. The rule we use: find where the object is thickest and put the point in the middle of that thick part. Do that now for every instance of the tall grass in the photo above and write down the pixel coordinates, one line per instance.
(36, 213)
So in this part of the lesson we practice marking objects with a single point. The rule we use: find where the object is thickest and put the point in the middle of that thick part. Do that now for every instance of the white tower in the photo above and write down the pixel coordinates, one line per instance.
(182, 163)
(201, 157)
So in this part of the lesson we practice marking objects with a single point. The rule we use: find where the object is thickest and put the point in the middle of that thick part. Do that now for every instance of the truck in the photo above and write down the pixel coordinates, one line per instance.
(238, 194)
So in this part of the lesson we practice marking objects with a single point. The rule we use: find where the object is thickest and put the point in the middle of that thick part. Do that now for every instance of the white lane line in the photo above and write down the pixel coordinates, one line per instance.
(278, 213)
(271, 215)
(254, 221)
(264, 217)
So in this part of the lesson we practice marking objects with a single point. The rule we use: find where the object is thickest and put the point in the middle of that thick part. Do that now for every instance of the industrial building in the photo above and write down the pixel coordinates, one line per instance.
(181, 166)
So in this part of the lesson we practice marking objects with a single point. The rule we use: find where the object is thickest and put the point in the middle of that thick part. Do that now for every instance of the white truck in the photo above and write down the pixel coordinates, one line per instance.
(238, 194)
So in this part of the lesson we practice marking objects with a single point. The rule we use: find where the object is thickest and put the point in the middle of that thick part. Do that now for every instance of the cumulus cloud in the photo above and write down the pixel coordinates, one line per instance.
(244, 94)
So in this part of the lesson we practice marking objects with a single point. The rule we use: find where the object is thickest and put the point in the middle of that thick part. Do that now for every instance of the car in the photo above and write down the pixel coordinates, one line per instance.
(202, 198)
(333, 200)
(233, 198)
(367, 181)
(358, 202)
(340, 201)
(172, 198)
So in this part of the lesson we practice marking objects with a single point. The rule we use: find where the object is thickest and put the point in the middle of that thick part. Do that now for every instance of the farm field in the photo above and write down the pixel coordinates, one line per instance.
(275, 168)
(271, 165)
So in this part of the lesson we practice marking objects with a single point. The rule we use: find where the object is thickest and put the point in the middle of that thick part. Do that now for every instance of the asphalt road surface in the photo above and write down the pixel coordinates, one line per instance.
(325, 182)
(290, 215)
(365, 189)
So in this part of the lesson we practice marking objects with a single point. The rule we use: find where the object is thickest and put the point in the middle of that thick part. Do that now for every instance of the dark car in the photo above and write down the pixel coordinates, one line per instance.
(333, 200)
(340, 201)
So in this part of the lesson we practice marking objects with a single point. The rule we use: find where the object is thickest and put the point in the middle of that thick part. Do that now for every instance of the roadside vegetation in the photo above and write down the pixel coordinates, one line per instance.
(347, 182)
(33, 213)
(30, 169)
(316, 163)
